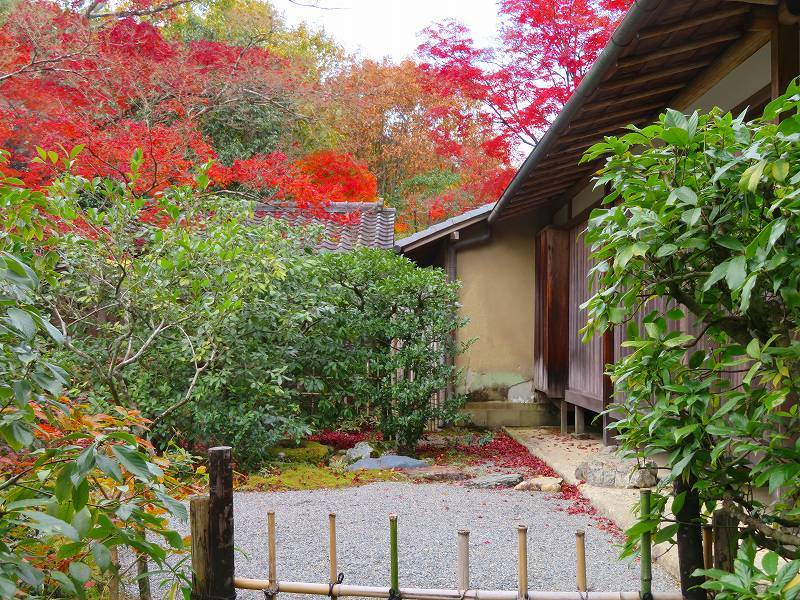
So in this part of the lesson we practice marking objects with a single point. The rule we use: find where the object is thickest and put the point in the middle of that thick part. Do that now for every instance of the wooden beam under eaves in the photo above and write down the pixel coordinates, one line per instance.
(654, 75)
(629, 113)
(760, 2)
(688, 23)
(739, 52)
(592, 107)
(704, 42)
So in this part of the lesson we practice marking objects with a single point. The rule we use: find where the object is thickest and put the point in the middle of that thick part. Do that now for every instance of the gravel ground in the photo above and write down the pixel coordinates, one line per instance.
(429, 515)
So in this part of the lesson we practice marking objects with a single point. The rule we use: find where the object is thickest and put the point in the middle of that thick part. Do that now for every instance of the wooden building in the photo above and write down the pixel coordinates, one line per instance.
(681, 54)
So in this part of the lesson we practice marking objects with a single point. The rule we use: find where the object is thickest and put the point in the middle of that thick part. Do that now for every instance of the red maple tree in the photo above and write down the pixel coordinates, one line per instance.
(544, 49)
(122, 85)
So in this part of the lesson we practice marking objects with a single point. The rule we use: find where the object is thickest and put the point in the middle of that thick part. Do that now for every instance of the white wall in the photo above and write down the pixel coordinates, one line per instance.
(741, 83)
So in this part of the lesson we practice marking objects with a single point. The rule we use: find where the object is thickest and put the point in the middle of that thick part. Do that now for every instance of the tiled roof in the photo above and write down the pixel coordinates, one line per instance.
(435, 232)
(371, 224)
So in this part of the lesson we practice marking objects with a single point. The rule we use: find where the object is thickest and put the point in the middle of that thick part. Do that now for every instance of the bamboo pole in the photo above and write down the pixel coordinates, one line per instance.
(362, 591)
(332, 547)
(462, 568)
(645, 559)
(522, 562)
(272, 553)
(708, 546)
(580, 559)
(198, 520)
(394, 571)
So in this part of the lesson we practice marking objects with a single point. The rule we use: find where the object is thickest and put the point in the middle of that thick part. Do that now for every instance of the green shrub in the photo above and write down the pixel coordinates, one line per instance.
(705, 213)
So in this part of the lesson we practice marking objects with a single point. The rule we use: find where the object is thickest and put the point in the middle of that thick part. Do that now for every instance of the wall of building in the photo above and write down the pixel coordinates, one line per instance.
(738, 85)
(497, 296)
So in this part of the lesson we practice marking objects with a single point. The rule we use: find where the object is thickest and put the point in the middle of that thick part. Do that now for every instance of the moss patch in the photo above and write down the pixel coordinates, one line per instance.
(307, 452)
(310, 477)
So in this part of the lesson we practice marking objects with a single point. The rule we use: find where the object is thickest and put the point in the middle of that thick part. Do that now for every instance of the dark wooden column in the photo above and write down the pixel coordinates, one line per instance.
(609, 356)
(785, 45)
(220, 523)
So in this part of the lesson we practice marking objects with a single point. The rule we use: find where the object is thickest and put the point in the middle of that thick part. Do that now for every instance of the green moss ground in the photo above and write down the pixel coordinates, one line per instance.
(311, 477)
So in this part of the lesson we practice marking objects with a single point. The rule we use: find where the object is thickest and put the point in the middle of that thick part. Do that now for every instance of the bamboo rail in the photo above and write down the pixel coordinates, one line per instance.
(365, 591)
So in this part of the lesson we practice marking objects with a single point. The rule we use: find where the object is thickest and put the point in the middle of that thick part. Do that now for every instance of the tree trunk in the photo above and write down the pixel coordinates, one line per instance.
(690, 540)
(726, 539)
(144, 580)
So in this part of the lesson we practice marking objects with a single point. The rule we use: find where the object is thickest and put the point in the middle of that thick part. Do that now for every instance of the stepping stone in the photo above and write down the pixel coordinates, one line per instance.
(438, 473)
(387, 461)
(540, 484)
(500, 480)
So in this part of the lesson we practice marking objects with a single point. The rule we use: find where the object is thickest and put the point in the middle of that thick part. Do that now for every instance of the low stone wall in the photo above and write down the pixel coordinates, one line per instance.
(504, 413)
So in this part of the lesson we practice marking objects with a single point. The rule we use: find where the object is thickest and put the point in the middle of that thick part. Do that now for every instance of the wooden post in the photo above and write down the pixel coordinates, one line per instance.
(462, 567)
(708, 546)
(394, 572)
(272, 549)
(580, 420)
(198, 520)
(580, 560)
(564, 417)
(645, 551)
(220, 524)
(332, 547)
(726, 539)
(522, 562)
(785, 57)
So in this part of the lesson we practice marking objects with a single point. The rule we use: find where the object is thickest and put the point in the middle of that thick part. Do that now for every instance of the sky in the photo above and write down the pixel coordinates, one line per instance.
(379, 28)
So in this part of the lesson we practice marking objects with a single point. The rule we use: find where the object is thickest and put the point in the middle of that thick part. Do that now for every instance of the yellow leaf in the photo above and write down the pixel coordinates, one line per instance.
(793, 583)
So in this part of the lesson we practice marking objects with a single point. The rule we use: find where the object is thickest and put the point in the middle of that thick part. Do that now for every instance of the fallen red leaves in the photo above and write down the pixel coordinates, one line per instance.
(344, 440)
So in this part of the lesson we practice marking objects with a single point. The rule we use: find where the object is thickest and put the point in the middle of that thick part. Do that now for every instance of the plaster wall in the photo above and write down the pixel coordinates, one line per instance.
(738, 85)
(497, 296)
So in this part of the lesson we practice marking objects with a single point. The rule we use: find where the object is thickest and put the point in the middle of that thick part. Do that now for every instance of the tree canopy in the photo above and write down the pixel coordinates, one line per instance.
(283, 111)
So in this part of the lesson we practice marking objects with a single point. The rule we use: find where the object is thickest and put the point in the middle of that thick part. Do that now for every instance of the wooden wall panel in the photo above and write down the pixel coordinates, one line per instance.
(585, 381)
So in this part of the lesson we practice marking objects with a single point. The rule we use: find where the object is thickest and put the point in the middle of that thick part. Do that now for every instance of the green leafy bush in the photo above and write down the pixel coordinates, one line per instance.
(226, 329)
(75, 485)
(705, 212)
(772, 581)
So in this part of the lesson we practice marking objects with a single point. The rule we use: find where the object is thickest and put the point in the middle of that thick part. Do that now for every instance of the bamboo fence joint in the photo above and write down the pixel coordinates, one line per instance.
(462, 568)
(394, 571)
(646, 550)
(522, 562)
(580, 560)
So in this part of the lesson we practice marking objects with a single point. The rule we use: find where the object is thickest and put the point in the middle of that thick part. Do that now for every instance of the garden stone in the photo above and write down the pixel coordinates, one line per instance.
(359, 451)
(499, 480)
(540, 484)
(607, 470)
(387, 461)
(438, 473)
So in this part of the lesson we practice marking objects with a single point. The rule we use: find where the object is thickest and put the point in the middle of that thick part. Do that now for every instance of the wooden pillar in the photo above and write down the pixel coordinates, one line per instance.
(785, 45)
(609, 356)
(220, 524)
(580, 420)
(564, 417)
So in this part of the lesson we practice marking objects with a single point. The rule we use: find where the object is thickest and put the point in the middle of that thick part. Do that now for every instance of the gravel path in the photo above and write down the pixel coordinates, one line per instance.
(429, 516)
